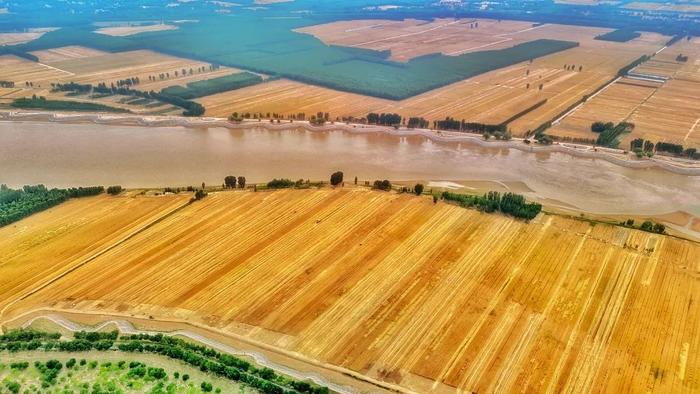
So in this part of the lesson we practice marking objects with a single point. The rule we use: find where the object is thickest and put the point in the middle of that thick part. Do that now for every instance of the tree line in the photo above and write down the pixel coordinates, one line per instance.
(646, 147)
(16, 204)
(509, 203)
(201, 357)
(191, 108)
(647, 226)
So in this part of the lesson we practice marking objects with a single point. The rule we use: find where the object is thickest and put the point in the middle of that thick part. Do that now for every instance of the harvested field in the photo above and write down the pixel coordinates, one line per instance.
(670, 115)
(411, 38)
(24, 37)
(41, 246)
(67, 53)
(492, 97)
(122, 31)
(433, 297)
(689, 6)
(86, 65)
(21, 70)
(668, 112)
(615, 104)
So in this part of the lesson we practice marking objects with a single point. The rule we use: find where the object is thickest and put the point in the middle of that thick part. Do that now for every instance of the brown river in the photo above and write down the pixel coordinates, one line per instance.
(61, 155)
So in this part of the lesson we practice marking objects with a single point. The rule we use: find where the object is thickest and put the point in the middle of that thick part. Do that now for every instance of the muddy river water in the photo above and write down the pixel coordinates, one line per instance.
(59, 154)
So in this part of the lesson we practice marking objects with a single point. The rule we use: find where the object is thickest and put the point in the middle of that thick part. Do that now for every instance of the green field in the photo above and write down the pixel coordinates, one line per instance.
(271, 47)
(212, 86)
(106, 372)
(619, 35)
(107, 362)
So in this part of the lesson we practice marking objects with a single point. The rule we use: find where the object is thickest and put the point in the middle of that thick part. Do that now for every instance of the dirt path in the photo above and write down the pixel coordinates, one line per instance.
(126, 327)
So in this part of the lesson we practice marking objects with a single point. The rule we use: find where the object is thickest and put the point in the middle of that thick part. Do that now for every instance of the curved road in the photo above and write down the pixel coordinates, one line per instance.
(126, 327)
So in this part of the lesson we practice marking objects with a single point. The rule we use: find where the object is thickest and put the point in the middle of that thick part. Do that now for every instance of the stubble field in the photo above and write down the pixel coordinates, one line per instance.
(492, 97)
(433, 297)
(668, 111)
(91, 66)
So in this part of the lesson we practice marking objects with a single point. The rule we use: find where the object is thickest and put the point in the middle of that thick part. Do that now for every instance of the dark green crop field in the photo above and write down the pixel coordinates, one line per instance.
(272, 47)
(212, 86)
(619, 35)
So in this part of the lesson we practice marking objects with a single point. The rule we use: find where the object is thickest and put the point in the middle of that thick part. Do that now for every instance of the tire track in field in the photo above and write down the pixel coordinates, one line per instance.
(91, 258)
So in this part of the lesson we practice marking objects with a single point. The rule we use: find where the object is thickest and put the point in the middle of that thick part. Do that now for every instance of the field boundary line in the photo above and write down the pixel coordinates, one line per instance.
(126, 318)
(572, 110)
(63, 274)
(404, 35)
(692, 129)
(456, 53)
(56, 69)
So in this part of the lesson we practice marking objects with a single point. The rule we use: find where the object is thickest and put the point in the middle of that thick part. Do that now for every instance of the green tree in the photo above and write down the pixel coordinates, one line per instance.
(418, 189)
(230, 182)
(337, 178)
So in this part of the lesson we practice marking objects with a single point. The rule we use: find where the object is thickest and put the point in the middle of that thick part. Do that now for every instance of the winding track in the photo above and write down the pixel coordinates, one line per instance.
(126, 327)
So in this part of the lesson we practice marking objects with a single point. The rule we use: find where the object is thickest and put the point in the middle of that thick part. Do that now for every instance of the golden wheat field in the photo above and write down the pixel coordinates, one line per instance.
(432, 297)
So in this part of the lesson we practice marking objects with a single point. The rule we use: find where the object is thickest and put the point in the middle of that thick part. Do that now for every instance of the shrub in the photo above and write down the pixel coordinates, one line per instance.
(418, 189)
(12, 386)
(185, 377)
(19, 365)
(382, 185)
(280, 183)
(206, 387)
(157, 373)
(114, 190)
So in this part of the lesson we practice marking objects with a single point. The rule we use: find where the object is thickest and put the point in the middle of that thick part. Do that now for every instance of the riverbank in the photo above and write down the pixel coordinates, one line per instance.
(614, 156)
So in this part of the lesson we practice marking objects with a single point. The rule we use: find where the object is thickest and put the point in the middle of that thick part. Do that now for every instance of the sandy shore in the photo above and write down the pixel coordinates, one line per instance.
(615, 156)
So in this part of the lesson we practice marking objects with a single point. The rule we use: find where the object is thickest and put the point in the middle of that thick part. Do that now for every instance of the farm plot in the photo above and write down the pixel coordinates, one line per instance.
(24, 37)
(615, 104)
(689, 6)
(122, 31)
(19, 71)
(95, 66)
(85, 65)
(670, 115)
(412, 38)
(492, 97)
(42, 246)
(666, 112)
(433, 297)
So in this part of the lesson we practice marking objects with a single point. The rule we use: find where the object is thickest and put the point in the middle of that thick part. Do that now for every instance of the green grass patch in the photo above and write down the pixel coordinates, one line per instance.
(62, 105)
(212, 86)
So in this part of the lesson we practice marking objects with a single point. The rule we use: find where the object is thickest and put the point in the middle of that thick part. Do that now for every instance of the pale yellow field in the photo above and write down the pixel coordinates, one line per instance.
(24, 37)
(435, 298)
(412, 38)
(679, 7)
(615, 104)
(86, 65)
(490, 98)
(668, 112)
(122, 31)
